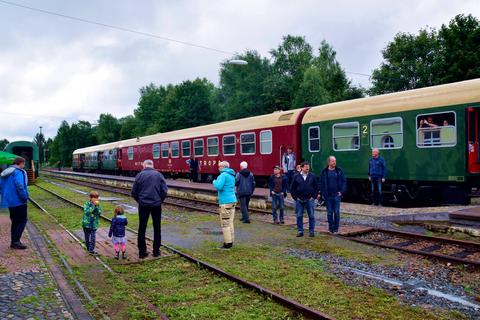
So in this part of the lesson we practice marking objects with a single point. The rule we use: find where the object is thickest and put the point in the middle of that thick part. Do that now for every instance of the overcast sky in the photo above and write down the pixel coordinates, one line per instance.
(52, 68)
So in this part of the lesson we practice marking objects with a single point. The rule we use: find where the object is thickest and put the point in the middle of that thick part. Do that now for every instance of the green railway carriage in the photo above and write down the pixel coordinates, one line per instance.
(429, 138)
(99, 158)
(29, 151)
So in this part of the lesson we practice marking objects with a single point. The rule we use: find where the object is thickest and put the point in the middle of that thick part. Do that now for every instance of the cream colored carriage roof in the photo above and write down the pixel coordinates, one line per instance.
(437, 96)
(275, 119)
(100, 147)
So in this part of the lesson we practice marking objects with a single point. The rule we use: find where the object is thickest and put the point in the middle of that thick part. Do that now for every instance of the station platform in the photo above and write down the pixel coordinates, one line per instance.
(472, 214)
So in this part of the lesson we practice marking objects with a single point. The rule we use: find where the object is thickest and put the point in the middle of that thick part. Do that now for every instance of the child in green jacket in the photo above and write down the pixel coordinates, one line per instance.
(91, 213)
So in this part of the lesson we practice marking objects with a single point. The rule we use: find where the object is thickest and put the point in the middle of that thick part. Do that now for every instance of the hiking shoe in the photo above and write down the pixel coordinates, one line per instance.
(156, 254)
(299, 234)
(123, 255)
(143, 255)
(18, 245)
(117, 255)
(311, 234)
(226, 246)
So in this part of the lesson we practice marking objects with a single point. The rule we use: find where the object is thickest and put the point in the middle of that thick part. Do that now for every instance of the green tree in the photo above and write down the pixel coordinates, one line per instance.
(242, 87)
(3, 143)
(411, 61)
(39, 140)
(128, 127)
(151, 98)
(460, 49)
(290, 61)
(108, 128)
(187, 105)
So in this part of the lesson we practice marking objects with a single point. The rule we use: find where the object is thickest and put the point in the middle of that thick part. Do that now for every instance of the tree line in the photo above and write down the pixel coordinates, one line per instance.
(294, 75)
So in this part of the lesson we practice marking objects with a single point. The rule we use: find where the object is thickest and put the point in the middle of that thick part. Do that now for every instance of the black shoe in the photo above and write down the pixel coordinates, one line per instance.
(123, 255)
(241, 219)
(156, 254)
(299, 234)
(276, 222)
(117, 255)
(143, 255)
(93, 253)
(246, 221)
(18, 245)
(282, 222)
(226, 245)
(311, 234)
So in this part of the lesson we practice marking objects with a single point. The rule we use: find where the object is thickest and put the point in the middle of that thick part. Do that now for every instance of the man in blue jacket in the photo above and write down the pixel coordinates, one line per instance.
(376, 176)
(149, 190)
(13, 187)
(332, 187)
(225, 185)
(304, 190)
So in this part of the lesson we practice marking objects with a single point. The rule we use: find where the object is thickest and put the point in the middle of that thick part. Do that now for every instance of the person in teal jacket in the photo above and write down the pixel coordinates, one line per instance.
(13, 188)
(91, 214)
(225, 185)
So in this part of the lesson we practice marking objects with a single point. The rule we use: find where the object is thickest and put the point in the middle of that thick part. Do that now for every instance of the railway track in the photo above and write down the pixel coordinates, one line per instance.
(295, 306)
(446, 249)
(197, 204)
(451, 250)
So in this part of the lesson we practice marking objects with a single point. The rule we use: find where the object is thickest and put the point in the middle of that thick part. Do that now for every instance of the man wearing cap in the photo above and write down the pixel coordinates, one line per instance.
(277, 184)
(13, 188)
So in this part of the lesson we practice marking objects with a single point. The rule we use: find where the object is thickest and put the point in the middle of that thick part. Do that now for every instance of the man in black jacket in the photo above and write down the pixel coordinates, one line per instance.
(149, 190)
(304, 190)
(332, 186)
(245, 183)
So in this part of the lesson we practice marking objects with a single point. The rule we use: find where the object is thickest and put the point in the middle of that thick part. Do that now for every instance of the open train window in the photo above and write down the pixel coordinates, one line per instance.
(212, 146)
(156, 151)
(386, 133)
(164, 150)
(436, 129)
(247, 143)
(228, 144)
(266, 142)
(186, 149)
(346, 136)
(175, 149)
(198, 147)
(130, 153)
(314, 139)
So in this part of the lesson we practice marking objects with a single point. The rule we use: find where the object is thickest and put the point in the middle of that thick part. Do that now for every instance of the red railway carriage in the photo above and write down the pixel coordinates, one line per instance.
(259, 140)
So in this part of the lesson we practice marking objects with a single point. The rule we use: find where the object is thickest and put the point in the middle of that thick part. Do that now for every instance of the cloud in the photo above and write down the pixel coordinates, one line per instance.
(52, 68)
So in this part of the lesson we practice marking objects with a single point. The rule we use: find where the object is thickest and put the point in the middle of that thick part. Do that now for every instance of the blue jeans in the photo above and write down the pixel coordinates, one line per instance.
(333, 213)
(290, 174)
(277, 203)
(376, 184)
(300, 206)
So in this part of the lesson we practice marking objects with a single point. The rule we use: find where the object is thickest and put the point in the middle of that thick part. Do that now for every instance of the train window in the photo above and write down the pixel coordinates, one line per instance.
(314, 139)
(229, 147)
(156, 151)
(130, 153)
(164, 150)
(198, 147)
(346, 136)
(186, 148)
(436, 130)
(247, 143)
(175, 149)
(386, 133)
(266, 142)
(212, 146)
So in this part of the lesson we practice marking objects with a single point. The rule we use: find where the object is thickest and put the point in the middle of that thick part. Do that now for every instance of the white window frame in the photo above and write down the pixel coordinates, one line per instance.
(171, 149)
(435, 113)
(189, 148)
(254, 143)
(313, 127)
(163, 149)
(130, 153)
(218, 146)
(153, 151)
(358, 136)
(203, 147)
(234, 144)
(271, 141)
(389, 133)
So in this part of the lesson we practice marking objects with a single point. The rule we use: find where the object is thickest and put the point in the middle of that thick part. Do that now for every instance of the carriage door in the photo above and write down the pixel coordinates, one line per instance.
(473, 123)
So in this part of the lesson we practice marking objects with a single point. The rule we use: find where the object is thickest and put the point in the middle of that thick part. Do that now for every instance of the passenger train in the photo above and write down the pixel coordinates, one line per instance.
(429, 138)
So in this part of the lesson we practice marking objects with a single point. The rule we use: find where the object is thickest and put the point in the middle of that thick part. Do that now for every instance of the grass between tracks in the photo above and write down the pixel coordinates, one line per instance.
(178, 288)
(303, 280)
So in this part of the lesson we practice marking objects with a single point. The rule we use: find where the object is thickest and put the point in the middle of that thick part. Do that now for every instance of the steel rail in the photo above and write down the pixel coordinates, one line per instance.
(293, 305)
(409, 235)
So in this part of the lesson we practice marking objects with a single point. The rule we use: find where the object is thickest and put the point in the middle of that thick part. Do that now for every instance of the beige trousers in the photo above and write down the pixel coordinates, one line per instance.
(227, 213)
